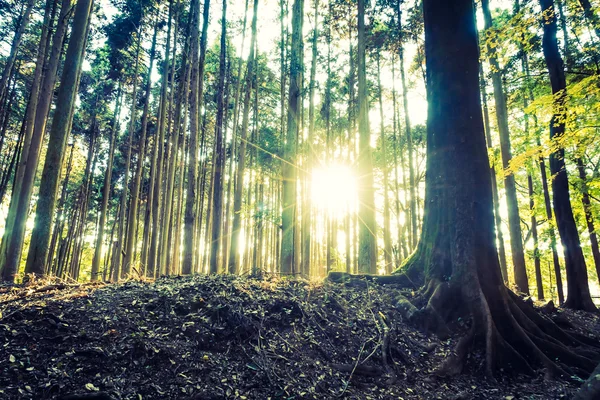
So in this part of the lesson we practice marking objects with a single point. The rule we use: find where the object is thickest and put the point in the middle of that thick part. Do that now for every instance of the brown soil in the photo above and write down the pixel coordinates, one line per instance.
(222, 337)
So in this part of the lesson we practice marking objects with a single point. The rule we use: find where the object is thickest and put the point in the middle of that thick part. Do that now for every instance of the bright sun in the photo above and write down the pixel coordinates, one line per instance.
(334, 189)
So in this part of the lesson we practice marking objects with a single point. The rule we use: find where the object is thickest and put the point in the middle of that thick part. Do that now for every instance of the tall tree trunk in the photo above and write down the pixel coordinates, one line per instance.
(21, 26)
(106, 189)
(456, 255)
(387, 239)
(514, 221)
(58, 227)
(589, 218)
(119, 248)
(401, 250)
(132, 225)
(172, 157)
(367, 255)
(497, 218)
(196, 80)
(534, 235)
(236, 112)
(220, 151)
(289, 172)
(234, 251)
(591, 16)
(307, 210)
(578, 296)
(156, 175)
(40, 237)
(411, 172)
(39, 106)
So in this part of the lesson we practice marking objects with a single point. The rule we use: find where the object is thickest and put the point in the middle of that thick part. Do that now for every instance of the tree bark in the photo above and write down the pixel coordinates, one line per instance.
(456, 258)
(196, 81)
(106, 189)
(496, 201)
(589, 218)
(387, 239)
(39, 106)
(220, 151)
(132, 225)
(234, 252)
(40, 237)
(367, 253)
(514, 220)
(409, 144)
(289, 168)
(578, 296)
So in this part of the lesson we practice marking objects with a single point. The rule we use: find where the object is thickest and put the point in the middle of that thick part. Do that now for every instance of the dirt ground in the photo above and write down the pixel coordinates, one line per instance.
(223, 337)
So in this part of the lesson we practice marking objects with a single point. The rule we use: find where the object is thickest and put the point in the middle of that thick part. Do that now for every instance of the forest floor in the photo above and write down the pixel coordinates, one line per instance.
(219, 337)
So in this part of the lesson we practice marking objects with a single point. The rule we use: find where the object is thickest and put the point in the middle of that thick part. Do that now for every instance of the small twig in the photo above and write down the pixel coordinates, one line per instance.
(353, 369)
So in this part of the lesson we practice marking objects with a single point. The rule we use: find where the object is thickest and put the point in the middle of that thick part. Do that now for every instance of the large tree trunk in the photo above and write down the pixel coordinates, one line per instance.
(578, 296)
(367, 256)
(590, 390)
(61, 123)
(514, 221)
(456, 258)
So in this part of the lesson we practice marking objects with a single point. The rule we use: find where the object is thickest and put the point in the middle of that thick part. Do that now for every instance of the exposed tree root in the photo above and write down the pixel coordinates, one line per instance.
(514, 335)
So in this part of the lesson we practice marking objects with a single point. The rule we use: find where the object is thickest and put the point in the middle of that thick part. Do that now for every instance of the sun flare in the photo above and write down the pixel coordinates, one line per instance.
(334, 189)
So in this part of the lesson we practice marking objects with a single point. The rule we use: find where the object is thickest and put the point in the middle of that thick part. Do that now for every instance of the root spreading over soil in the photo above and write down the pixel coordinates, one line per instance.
(217, 337)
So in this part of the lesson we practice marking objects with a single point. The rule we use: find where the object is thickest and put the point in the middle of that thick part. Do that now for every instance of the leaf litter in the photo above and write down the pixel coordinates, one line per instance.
(225, 337)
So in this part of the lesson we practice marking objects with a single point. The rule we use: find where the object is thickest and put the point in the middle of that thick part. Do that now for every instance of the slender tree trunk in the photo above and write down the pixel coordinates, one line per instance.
(514, 221)
(578, 296)
(307, 211)
(154, 201)
(131, 240)
(220, 151)
(387, 239)
(234, 252)
(495, 197)
(196, 80)
(182, 91)
(409, 144)
(367, 256)
(589, 218)
(58, 227)
(591, 16)
(21, 26)
(289, 172)
(236, 111)
(106, 189)
(534, 235)
(401, 252)
(40, 237)
(119, 248)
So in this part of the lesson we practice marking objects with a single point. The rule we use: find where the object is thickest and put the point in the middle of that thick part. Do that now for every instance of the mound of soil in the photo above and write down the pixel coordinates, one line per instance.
(220, 337)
